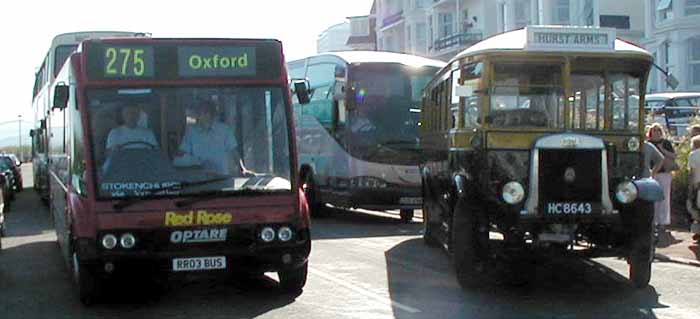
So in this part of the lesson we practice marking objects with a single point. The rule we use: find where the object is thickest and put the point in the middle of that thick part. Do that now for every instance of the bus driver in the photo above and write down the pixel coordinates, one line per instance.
(209, 142)
(130, 134)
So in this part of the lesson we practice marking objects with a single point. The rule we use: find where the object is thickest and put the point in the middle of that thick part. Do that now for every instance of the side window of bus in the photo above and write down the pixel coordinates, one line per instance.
(321, 79)
(471, 75)
(78, 168)
(625, 101)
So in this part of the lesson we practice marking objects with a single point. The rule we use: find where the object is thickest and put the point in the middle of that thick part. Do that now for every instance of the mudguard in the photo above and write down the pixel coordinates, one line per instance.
(649, 189)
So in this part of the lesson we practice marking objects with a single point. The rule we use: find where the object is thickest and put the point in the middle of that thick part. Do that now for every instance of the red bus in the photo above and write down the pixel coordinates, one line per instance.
(176, 156)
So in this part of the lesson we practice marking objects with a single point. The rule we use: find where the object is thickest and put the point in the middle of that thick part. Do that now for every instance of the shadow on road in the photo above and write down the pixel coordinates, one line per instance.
(343, 223)
(570, 288)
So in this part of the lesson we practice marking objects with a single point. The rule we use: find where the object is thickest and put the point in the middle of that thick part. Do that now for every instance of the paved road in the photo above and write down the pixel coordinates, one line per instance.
(362, 266)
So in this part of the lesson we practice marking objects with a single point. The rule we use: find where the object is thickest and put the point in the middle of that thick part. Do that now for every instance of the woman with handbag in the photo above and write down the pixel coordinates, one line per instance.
(662, 209)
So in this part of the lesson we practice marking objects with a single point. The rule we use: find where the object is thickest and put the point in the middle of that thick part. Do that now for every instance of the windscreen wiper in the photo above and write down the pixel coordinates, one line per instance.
(177, 186)
(211, 195)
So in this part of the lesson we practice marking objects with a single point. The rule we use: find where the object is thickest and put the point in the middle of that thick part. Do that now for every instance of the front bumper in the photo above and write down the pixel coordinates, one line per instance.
(254, 258)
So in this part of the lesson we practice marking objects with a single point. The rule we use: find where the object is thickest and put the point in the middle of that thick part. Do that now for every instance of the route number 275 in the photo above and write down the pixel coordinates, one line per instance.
(124, 62)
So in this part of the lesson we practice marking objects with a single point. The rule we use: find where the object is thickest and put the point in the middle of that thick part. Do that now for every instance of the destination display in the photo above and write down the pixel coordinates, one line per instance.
(570, 39)
(169, 61)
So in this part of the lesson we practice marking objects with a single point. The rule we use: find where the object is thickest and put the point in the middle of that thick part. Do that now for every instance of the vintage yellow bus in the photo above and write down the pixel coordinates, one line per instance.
(536, 134)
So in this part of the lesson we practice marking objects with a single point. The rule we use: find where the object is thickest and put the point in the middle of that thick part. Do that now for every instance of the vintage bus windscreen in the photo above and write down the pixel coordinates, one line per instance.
(386, 114)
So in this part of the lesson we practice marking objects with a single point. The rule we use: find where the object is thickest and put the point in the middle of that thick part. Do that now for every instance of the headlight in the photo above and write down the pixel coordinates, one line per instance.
(633, 144)
(513, 193)
(267, 234)
(109, 241)
(284, 234)
(626, 192)
(127, 241)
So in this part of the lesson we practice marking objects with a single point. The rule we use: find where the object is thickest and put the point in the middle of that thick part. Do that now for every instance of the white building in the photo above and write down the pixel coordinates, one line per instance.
(441, 28)
(334, 38)
(362, 32)
(672, 34)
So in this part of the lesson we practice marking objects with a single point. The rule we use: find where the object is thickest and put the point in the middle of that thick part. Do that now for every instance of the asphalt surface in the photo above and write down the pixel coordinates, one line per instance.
(362, 266)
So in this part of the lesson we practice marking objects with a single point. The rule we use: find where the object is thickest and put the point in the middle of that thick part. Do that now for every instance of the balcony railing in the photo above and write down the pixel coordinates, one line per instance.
(392, 18)
(456, 40)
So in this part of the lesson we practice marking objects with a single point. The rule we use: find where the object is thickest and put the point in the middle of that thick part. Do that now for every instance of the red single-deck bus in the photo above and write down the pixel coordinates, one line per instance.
(176, 156)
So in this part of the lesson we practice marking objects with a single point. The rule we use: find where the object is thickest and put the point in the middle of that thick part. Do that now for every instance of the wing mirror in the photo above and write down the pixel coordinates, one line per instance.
(60, 96)
(301, 89)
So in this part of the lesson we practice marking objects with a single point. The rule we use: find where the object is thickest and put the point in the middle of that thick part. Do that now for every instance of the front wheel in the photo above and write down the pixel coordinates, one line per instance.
(294, 280)
(469, 250)
(86, 280)
(642, 247)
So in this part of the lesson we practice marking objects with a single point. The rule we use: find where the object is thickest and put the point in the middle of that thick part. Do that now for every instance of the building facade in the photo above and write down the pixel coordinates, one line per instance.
(334, 38)
(672, 35)
(441, 28)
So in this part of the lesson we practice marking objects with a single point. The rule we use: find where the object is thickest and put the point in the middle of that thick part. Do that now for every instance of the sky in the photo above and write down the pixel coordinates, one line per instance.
(29, 26)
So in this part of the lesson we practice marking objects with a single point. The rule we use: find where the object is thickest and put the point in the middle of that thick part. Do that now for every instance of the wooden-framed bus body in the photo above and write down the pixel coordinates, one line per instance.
(82, 217)
(469, 165)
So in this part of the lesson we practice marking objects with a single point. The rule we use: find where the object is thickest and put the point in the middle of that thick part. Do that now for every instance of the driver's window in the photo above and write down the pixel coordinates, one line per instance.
(471, 75)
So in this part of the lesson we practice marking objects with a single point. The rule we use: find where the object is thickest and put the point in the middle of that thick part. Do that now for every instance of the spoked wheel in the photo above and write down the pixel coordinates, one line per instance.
(293, 280)
(469, 250)
(642, 254)
(406, 215)
(86, 280)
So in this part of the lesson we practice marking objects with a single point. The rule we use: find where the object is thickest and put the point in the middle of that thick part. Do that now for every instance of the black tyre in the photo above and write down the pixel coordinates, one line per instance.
(293, 280)
(406, 215)
(468, 250)
(642, 247)
(86, 279)
(429, 229)
(316, 207)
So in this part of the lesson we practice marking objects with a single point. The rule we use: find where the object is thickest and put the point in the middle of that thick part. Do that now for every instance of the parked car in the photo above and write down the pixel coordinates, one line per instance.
(6, 170)
(673, 110)
(15, 159)
(16, 169)
(4, 205)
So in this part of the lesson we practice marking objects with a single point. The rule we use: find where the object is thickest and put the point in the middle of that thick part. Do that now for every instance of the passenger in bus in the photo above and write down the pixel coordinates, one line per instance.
(209, 143)
(130, 134)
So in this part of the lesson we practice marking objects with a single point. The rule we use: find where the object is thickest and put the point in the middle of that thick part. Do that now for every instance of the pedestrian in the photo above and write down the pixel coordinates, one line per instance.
(694, 184)
(653, 160)
(662, 209)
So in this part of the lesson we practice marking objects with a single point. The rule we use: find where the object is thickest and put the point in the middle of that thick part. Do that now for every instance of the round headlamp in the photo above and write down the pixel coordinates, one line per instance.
(109, 241)
(626, 192)
(127, 241)
(267, 234)
(285, 234)
(633, 144)
(513, 193)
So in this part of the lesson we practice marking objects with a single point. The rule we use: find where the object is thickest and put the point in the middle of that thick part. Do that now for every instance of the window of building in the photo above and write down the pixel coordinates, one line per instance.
(694, 61)
(664, 10)
(522, 13)
(692, 7)
(502, 15)
(446, 25)
(562, 12)
(588, 14)
(421, 37)
(359, 27)
(615, 21)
